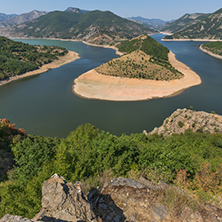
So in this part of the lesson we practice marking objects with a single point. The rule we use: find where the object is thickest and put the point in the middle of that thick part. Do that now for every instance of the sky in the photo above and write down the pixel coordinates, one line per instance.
(162, 9)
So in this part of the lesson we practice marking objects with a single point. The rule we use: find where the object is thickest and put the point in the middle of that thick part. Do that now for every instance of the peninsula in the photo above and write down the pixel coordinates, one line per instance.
(19, 60)
(148, 70)
(213, 49)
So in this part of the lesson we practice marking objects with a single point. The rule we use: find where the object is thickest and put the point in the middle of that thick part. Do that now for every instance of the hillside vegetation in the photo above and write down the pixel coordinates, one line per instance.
(93, 26)
(183, 22)
(214, 47)
(146, 58)
(17, 58)
(208, 28)
(191, 160)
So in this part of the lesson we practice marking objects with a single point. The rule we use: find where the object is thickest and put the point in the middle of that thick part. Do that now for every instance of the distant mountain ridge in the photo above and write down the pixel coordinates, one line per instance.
(97, 27)
(25, 17)
(208, 28)
(6, 17)
(154, 23)
(76, 10)
(183, 22)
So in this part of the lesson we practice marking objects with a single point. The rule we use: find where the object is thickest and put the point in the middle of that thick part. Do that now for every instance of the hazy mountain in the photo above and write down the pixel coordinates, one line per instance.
(183, 22)
(6, 17)
(208, 28)
(22, 18)
(94, 26)
(76, 10)
(154, 23)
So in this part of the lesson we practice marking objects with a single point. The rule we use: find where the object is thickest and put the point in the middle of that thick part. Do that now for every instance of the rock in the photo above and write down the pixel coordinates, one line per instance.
(64, 201)
(185, 119)
(12, 218)
(120, 200)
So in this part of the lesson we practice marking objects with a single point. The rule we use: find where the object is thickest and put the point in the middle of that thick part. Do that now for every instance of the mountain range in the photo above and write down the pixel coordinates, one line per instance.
(183, 22)
(154, 23)
(5, 16)
(15, 20)
(209, 27)
(94, 26)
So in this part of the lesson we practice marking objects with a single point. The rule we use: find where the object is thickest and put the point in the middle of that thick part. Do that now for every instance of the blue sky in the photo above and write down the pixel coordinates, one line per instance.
(163, 9)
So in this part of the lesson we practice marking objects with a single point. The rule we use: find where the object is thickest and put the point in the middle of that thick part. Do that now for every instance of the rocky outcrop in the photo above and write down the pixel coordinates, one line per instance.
(121, 199)
(63, 201)
(186, 119)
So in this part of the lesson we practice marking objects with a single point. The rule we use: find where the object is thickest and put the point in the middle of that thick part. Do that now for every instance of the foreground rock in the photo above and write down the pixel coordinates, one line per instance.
(63, 201)
(121, 199)
(185, 119)
(12, 218)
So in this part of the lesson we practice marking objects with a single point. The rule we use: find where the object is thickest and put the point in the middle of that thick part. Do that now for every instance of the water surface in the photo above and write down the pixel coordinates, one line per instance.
(45, 104)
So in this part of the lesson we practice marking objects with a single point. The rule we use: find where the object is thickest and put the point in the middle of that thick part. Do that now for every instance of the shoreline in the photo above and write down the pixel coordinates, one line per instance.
(92, 85)
(191, 40)
(105, 46)
(69, 57)
(74, 40)
(210, 53)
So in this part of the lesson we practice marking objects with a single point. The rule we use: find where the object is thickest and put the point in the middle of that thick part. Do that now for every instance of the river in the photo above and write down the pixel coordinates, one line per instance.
(45, 104)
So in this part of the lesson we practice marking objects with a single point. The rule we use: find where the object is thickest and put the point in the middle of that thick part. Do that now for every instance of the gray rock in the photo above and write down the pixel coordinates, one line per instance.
(184, 119)
(12, 218)
(64, 201)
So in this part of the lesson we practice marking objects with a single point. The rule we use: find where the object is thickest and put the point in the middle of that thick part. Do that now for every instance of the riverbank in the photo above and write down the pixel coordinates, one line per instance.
(190, 40)
(93, 85)
(69, 57)
(74, 40)
(210, 53)
(105, 46)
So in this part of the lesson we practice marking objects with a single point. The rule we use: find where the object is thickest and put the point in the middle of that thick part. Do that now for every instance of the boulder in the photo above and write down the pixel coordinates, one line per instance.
(63, 201)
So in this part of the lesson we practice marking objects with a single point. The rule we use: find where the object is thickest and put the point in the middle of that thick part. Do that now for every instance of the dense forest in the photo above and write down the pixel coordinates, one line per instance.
(191, 161)
(17, 58)
(214, 47)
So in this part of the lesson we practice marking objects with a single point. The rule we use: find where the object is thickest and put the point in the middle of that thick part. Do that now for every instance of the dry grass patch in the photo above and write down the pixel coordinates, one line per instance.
(137, 65)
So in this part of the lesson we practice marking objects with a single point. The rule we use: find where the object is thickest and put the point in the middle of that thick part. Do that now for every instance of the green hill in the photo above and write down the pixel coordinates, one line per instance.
(183, 22)
(208, 28)
(94, 26)
(146, 58)
(214, 47)
(17, 58)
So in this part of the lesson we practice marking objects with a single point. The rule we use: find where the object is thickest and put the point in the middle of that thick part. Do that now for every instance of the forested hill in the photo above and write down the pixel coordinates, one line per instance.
(94, 26)
(146, 58)
(17, 58)
(208, 28)
(214, 47)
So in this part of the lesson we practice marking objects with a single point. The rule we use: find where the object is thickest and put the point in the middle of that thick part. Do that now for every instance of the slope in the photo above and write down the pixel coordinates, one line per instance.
(183, 22)
(94, 26)
(146, 58)
(208, 28)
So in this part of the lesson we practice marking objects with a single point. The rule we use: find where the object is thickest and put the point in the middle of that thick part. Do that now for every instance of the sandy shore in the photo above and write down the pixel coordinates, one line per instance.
(105, 46)
(210, 53)
(70, 57)
(93, 85)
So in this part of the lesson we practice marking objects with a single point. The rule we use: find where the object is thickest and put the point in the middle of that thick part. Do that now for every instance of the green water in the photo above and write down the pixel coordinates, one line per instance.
(45, 104)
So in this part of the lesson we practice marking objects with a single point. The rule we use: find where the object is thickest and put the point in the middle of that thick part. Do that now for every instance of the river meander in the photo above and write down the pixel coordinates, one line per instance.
(45, 104)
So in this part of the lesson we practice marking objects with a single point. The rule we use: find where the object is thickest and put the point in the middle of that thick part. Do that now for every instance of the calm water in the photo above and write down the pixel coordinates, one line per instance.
(45, 104)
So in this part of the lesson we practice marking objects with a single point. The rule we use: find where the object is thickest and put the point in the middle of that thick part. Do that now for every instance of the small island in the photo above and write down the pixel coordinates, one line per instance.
(147, 70)
(19, 60)
(212, 48)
